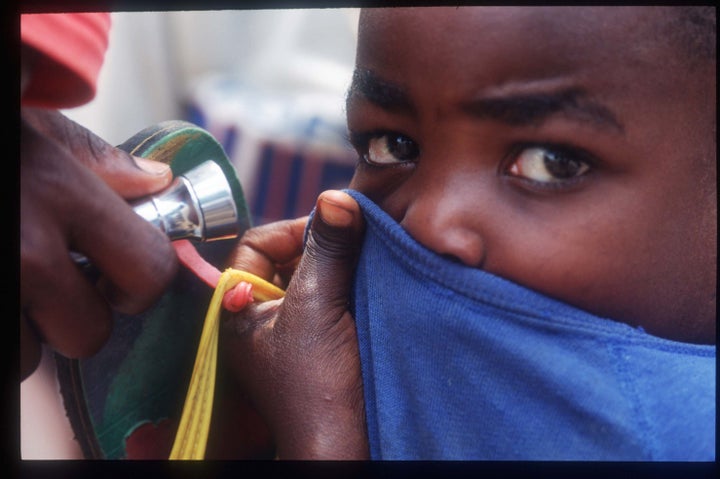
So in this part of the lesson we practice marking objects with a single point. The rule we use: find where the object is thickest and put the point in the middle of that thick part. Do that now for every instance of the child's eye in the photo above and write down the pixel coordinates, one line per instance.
(548, 165)
(385, 148)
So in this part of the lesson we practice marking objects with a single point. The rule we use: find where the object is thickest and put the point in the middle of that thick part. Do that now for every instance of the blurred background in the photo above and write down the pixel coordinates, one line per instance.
(269, 85)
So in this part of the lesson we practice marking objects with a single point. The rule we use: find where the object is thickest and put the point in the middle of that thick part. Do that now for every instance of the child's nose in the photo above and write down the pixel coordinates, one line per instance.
(442, 222)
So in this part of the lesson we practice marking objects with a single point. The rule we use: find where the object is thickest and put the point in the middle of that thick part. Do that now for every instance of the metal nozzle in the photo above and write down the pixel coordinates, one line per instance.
(198, 205)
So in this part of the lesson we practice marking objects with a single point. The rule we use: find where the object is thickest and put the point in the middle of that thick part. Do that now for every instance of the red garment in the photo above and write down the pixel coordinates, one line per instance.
(72, 48)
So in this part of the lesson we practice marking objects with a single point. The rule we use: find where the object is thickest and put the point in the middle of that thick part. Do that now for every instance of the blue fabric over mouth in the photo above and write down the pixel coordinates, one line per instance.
(460, 364)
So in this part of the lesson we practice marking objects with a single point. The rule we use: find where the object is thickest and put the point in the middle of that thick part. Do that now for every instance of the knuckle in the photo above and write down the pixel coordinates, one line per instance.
(253, 236)
(86, 146)
(38, 268)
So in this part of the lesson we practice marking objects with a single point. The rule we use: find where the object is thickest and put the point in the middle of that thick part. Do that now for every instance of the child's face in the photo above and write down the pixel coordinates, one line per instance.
(557, 147)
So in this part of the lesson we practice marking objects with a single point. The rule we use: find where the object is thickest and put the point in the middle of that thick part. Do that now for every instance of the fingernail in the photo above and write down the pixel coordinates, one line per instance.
(334, 214)
(150, 166)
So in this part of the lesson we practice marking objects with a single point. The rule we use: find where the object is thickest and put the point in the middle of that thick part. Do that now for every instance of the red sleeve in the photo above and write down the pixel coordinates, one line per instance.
(72, 48)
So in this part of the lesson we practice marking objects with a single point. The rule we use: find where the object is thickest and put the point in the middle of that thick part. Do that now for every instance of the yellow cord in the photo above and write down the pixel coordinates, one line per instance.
(192, 435)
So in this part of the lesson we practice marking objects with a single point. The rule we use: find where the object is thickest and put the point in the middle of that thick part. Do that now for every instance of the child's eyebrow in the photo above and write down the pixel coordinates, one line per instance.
(383, 93)
(534, 108)
(516, 109)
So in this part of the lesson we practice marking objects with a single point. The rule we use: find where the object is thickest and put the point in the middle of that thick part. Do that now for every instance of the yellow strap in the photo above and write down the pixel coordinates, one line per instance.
(192, 435)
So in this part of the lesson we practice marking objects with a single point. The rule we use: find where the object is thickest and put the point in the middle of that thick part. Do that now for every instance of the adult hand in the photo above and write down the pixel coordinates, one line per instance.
(74, 189)
(297, 358)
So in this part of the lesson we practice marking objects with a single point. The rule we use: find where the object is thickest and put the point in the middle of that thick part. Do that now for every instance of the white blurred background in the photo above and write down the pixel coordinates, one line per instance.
(157, 61)
(268, 84)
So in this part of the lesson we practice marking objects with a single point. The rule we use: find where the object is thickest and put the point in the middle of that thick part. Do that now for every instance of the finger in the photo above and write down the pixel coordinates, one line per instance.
(58, 303)
(135, 258)
(137, 261)
(131, 177)
(263, 249)
(64, 308)
(136, 177)
(323, 278)
(245, 343)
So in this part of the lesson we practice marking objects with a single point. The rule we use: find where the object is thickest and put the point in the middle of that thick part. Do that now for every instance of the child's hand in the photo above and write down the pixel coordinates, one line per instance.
(297, 358)
(73, 188)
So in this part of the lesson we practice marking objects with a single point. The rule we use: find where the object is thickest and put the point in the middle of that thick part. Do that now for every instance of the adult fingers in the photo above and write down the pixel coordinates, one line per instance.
(129, 176)
(64, 308)
(58, 194)
(135, 258)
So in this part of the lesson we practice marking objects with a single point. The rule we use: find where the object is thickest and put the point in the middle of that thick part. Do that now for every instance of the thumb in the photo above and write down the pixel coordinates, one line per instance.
(138, 177)
(323, 278)
(129, 176)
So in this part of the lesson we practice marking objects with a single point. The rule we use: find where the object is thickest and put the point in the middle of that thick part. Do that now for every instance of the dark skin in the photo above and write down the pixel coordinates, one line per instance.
(310, 395)
(568, 150)
(74, 189)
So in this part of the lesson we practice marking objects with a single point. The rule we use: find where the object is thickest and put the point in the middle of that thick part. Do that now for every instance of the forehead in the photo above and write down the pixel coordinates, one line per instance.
(543, 26)
(444, 56)
(504, 44)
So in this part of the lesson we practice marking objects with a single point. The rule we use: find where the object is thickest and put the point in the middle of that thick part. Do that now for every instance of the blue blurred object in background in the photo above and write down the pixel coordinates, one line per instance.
(287, 147)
